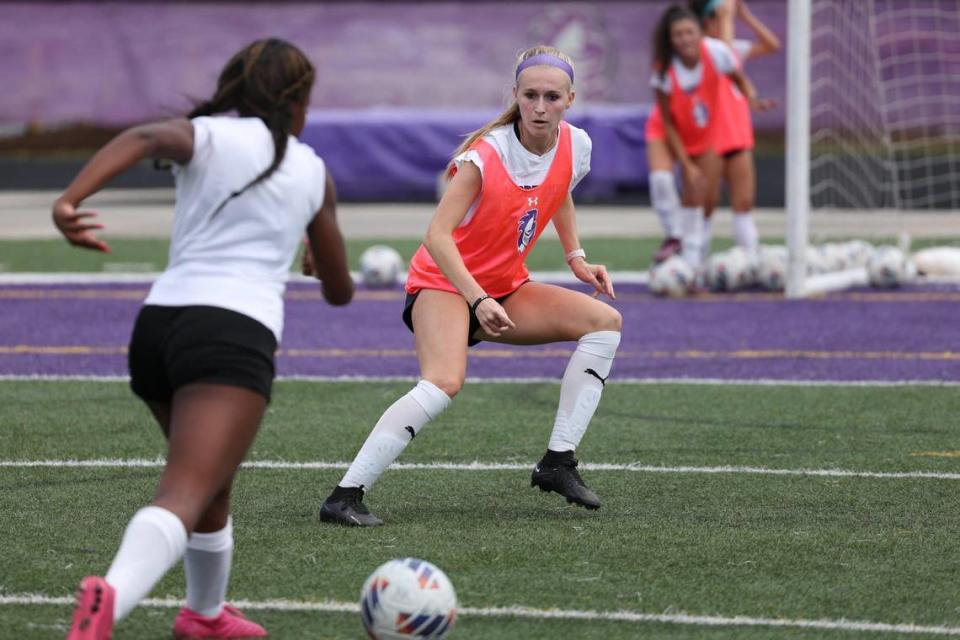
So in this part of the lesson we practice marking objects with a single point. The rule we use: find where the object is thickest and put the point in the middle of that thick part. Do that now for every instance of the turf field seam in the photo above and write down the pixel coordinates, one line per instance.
(759, 382)
(333, 606)
(318, 465)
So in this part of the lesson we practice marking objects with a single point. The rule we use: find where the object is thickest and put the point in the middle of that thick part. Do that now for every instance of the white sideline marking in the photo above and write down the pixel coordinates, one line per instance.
(333, 606)
(120, 463)
(748, 382)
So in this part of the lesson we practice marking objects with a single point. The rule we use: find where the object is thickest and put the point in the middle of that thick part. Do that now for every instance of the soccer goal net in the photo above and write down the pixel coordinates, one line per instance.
(873, 123)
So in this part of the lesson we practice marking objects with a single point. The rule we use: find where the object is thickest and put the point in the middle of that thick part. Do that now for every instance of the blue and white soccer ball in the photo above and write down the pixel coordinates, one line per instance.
(728, 270)
(888, 268)
(672, 278)
(772, 267)
(858, 252)
(408, 598)
(380, 266)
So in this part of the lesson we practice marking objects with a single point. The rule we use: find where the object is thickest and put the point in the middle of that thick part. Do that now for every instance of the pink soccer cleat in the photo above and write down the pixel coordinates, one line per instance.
(190, 625)
(93, 612)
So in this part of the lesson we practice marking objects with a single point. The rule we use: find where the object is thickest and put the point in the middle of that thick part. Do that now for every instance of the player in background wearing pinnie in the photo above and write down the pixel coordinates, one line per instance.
(202, 351)
(735, 147)
(469, 282)
(689, 72)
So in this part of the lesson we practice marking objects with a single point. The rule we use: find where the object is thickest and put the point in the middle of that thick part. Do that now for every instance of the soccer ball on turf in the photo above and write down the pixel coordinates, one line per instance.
(772, 270)
(858, 252)
(408, 598)
(380, 266)
(728, 271)
(887, 268)
(672, 278)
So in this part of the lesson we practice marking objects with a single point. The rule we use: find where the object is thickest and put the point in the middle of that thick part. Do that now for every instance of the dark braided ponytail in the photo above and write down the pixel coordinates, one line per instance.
(265, 79)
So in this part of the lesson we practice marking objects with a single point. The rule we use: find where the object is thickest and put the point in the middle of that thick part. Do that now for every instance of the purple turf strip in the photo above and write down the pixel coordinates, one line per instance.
(913, 334)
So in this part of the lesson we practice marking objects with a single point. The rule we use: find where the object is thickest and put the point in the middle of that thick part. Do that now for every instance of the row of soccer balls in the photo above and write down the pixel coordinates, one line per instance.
(732, 270)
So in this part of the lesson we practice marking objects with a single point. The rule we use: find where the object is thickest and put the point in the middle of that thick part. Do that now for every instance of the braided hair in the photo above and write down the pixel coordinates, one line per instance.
(265, 79)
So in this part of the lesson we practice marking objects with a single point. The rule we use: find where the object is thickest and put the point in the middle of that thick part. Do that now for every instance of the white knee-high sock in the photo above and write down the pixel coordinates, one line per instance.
(665, 201)
(745, 231)
(207, 566)
(707, 239)
(154, 541)
(399, 424)
(582, 385)
(692, 235)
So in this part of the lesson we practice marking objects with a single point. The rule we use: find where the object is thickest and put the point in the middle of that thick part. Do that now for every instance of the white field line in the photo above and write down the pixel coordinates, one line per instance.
(636, 467)
(333, 606)
(748, 382)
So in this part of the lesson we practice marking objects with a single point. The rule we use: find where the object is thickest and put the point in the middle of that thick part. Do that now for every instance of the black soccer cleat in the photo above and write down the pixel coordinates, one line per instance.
(345, 506)
(558, 473)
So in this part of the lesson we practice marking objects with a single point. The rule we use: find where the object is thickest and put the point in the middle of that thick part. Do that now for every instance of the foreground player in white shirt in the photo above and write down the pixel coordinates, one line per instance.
(201, 354)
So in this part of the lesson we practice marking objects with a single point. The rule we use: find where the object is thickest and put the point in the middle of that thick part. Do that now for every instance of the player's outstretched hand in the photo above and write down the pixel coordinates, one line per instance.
(77, 227)
(595, 275)
(493, 318)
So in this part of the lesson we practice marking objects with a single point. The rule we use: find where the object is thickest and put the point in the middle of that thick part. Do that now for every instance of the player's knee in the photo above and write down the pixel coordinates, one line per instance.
(614, 321)
(449, 384)
(608, 319)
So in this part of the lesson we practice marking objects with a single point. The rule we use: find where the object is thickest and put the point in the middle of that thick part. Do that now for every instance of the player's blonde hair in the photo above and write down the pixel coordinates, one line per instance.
(512, 113)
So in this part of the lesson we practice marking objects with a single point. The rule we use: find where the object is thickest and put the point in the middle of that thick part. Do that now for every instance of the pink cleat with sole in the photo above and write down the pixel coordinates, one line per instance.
(93, 611)
(190, 625)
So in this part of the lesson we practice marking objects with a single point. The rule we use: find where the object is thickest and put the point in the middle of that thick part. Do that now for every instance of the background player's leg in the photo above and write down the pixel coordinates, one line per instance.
(664, 196)
(211, 428)
(692, 211)
(441, 324)
(741, 176)
(546, 313)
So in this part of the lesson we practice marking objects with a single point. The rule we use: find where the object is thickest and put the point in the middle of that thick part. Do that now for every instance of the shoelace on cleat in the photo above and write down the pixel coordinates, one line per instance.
(355, 502)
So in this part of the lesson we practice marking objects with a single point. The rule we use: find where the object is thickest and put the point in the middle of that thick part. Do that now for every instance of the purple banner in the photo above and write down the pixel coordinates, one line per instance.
(117, 63)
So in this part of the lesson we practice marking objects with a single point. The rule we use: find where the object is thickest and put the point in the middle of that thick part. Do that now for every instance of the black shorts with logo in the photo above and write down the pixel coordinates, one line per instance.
(474, 323)
(175, 346)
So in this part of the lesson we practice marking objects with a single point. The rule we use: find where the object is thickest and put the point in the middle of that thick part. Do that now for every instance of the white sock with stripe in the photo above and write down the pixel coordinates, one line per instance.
(582, 385)
(154, 541)
(398, 425)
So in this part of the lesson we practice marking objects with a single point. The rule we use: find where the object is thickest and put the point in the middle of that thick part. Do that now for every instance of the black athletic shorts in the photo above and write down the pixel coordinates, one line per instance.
(474, 323)
(732, 152)
(175, 346)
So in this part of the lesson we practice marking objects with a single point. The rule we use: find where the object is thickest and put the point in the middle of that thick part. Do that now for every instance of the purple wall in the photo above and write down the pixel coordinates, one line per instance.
(117, 63)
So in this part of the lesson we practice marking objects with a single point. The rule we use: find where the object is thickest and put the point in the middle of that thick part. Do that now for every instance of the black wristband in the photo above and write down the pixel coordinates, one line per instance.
(476, 303)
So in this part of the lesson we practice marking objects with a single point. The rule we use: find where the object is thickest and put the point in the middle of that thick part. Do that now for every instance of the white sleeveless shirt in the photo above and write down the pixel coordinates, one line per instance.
(240, 258)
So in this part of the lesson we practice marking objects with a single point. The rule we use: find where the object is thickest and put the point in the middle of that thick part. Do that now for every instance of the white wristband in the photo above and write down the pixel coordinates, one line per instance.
(576, 253)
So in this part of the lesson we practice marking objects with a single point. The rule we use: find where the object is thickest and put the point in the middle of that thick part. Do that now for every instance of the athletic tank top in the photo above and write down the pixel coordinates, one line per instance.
(505, 225)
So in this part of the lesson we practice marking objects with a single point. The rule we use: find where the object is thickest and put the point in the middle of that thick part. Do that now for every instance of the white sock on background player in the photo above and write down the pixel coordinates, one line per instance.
(154, 541)
(665, 201)
(582, 385)
(692, 235)
(745, 232)
(707, 240)
(396, 428)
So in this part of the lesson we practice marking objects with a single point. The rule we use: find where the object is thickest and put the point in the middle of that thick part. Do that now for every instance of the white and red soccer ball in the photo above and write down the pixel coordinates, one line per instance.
(408, 598)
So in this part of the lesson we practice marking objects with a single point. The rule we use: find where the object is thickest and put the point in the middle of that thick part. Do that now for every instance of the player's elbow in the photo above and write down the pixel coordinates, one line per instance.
(339, 294)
